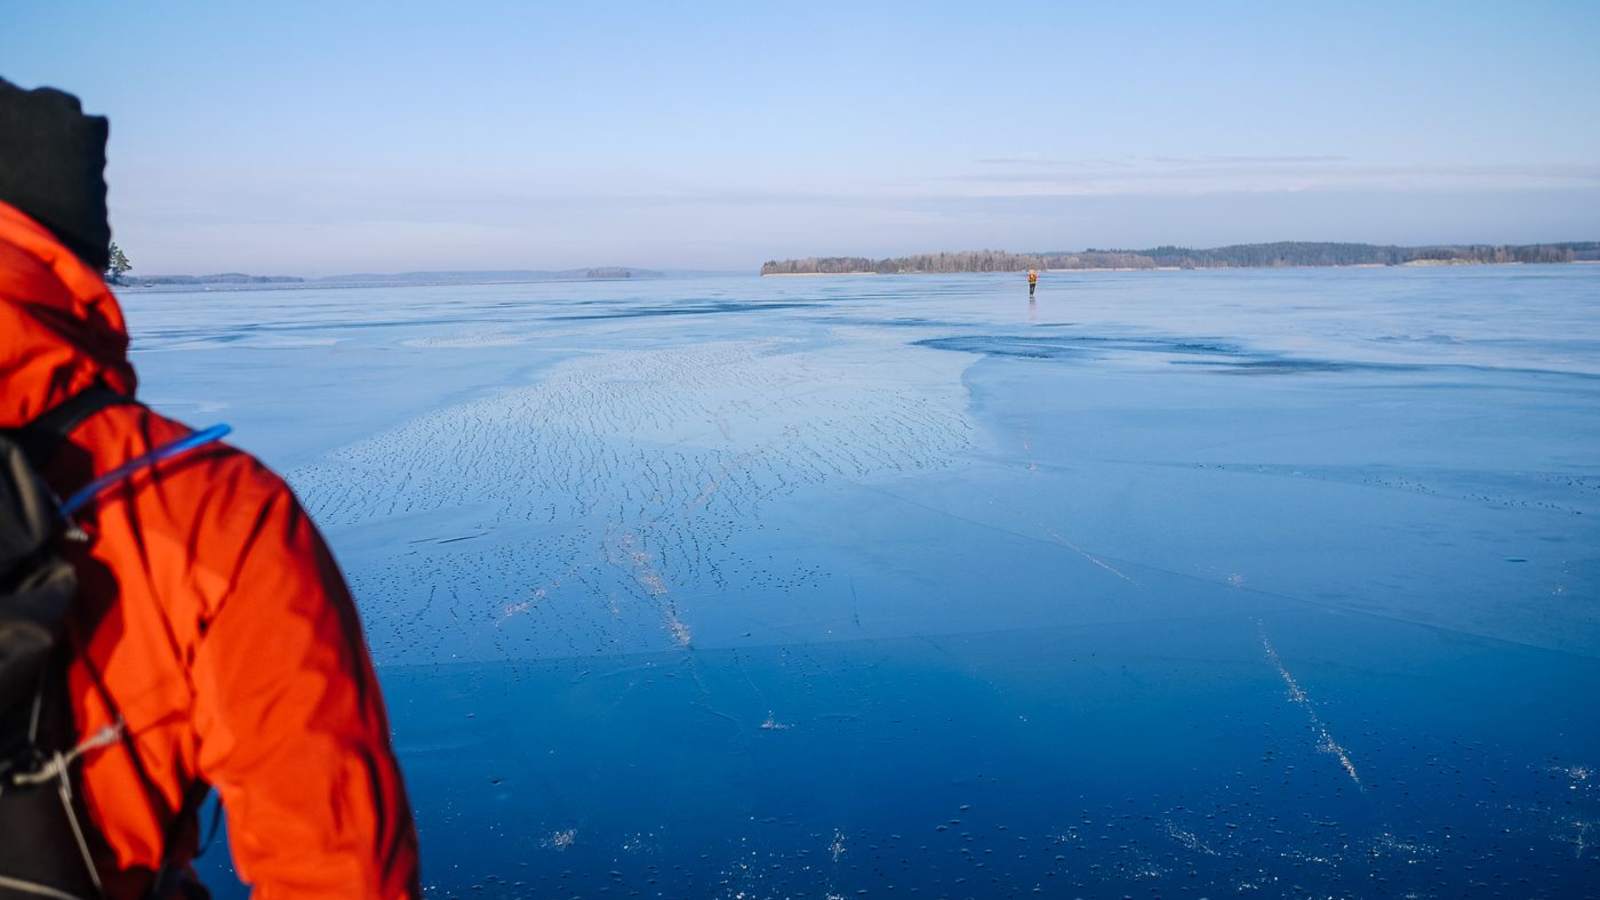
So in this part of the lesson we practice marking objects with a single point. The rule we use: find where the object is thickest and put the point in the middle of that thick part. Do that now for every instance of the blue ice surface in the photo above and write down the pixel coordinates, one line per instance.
(1273, 583)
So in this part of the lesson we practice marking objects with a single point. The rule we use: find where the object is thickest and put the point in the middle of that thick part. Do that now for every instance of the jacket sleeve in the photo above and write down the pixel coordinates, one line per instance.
(291, 726)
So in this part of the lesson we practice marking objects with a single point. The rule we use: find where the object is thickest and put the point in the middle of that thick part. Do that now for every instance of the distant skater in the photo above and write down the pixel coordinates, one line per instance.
(1033, 282)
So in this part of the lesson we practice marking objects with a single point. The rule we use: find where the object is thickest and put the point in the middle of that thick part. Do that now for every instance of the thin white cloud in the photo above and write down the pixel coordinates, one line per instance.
(1223, 174)
(1257, 160)
(1029, 160)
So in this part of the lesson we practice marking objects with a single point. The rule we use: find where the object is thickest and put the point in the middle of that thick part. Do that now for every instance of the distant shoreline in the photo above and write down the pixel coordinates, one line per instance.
(199, 284)
(1278, 255)
(241, 281)
(1414, 264)
(817, 274)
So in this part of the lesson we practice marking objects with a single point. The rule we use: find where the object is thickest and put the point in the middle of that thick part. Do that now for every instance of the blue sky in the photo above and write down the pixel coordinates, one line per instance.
(313, 138)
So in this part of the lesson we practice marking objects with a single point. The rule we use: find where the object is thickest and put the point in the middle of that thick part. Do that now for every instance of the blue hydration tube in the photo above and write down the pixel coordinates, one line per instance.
(166, 451)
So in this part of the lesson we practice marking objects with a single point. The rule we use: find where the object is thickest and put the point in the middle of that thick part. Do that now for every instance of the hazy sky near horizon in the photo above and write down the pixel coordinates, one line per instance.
(317, 138)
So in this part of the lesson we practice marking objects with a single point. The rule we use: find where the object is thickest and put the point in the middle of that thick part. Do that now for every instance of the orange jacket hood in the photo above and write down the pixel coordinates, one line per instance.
(61, 330)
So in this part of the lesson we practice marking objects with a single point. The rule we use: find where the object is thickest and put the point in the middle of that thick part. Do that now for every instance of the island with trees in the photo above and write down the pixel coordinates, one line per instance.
(1276, 255)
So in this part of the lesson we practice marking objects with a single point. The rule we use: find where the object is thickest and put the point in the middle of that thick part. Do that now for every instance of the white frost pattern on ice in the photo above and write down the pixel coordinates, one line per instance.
(561, 840)
(1325, 741)
(1188, 840)
(598, 510)
(1580, 837)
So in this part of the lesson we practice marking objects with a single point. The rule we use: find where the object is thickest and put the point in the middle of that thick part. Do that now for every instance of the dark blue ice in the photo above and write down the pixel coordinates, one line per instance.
(1254, 583)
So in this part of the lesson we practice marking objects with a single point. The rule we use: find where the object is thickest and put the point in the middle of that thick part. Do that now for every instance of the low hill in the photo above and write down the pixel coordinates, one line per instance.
(220, 278)
(483, 277)
(235, 279)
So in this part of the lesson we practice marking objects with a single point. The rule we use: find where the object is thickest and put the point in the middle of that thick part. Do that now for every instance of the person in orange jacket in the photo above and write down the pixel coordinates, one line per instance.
(1033, 282)
(213, 630)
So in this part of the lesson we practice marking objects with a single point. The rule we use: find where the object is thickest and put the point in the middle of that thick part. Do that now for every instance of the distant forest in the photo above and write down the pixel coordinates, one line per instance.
(1282, 254)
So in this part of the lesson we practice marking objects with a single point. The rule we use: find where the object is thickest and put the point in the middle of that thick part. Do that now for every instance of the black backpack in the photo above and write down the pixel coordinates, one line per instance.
(46, 850)
(45, 837)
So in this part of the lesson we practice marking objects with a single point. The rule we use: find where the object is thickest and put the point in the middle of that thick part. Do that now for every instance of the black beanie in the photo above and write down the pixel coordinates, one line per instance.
(52, 165)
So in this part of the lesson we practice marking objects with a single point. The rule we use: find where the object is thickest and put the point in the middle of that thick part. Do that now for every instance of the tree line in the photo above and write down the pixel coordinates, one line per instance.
(1281, 254)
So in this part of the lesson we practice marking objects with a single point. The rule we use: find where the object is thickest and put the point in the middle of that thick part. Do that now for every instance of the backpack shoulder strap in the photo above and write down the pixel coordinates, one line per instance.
(41, 438)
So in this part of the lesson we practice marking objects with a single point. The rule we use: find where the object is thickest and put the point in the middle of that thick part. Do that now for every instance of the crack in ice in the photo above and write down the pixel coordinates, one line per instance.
(1325, 742)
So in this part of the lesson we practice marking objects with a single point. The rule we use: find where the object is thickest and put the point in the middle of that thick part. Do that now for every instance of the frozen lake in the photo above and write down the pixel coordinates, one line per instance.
(1176, 584)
